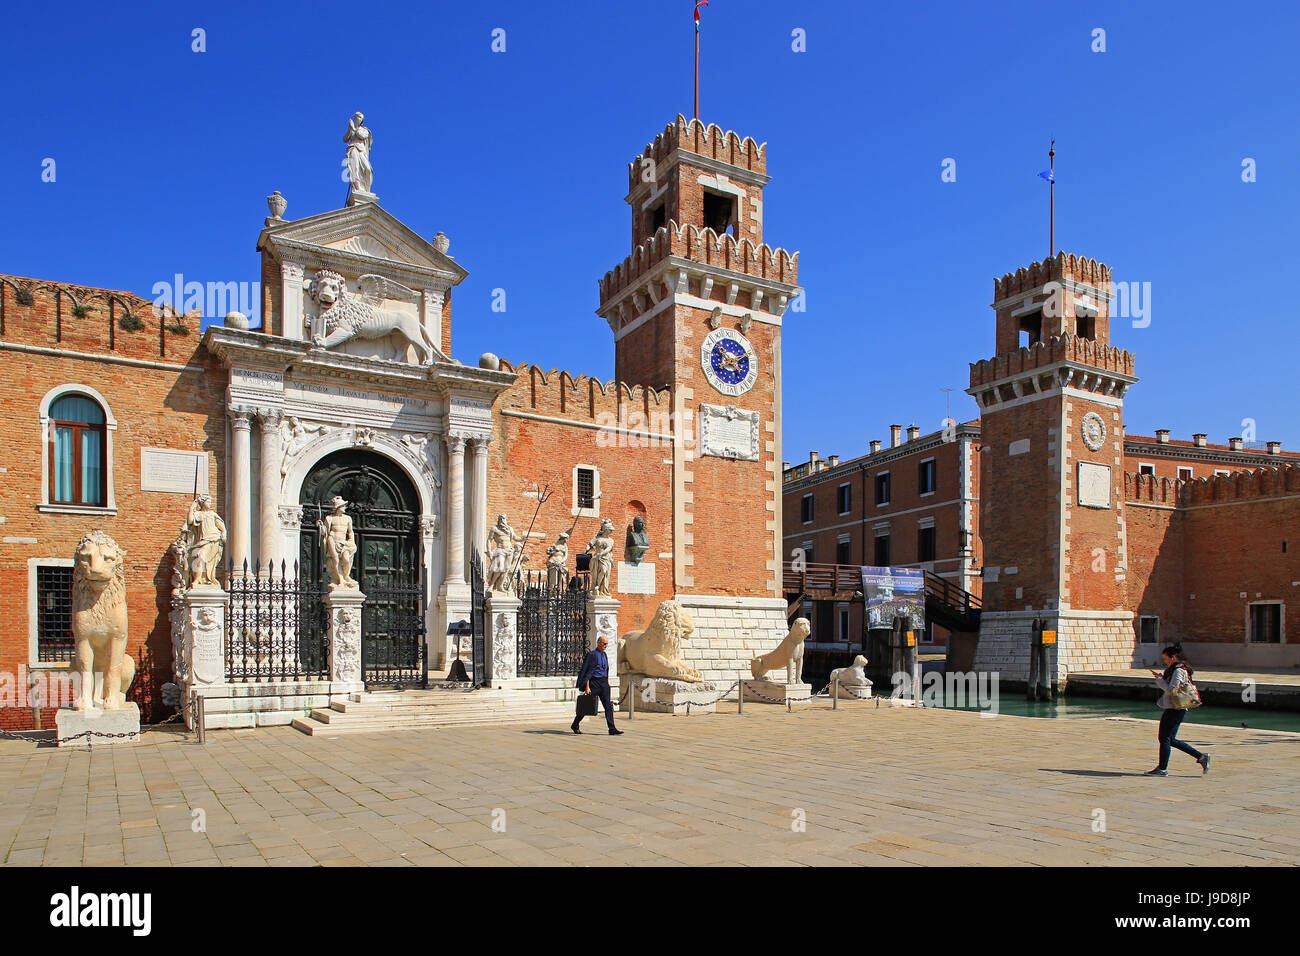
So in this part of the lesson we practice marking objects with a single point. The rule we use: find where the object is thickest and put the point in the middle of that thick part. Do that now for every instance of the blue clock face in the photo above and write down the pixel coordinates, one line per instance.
(729, 361)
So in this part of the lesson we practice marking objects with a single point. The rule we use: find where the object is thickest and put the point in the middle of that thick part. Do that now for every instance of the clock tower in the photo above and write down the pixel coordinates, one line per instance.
(1052, 472)
(697, 308)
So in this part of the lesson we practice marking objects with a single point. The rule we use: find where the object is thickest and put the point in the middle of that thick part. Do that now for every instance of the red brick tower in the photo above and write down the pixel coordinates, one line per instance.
(1052, 502)
(697, 307)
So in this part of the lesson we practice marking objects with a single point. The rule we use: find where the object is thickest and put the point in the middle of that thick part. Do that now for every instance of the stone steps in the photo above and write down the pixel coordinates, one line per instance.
(428, 709)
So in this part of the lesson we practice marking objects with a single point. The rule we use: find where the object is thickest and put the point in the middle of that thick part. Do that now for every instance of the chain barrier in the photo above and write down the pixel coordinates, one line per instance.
(31, 736)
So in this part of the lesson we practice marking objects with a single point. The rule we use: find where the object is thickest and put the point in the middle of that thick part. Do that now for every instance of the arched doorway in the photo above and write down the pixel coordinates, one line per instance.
(385, 511)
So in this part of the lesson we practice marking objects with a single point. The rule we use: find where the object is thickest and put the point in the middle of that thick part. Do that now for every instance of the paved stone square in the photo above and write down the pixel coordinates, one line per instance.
(874, 786)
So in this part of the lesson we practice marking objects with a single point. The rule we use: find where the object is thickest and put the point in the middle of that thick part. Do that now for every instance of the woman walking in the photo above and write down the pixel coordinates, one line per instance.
(1176, 685)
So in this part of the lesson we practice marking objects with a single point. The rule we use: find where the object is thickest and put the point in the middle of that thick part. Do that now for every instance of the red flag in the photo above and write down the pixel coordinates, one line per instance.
(699, 3)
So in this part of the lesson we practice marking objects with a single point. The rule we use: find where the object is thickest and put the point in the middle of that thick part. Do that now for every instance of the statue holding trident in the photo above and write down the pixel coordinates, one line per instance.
(340, 546)
(360, 173)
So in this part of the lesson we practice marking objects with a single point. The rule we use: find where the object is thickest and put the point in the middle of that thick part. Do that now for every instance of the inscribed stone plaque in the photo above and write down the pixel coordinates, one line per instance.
(636, 578)
(1094, 485)
(168, 469)
(729, 432)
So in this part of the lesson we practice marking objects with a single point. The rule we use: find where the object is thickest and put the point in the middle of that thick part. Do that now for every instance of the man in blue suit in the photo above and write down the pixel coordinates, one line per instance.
(594, 679)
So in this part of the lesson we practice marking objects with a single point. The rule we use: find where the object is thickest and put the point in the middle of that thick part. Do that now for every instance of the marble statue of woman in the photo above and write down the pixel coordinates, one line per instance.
(601, 550)
(339, 545)
(557, 557)
(359, 140)
(205, 539)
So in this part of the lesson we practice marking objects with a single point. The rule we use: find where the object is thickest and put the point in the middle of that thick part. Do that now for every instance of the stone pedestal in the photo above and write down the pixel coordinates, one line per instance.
(662, 695)
(204, 644)
(501, 614)
(602, 621)
(770, 692)
(852, 691)
(343, 619)
(124, 720)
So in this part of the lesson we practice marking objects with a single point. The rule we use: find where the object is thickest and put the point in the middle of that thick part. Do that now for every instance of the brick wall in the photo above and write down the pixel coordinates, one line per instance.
(173, 400)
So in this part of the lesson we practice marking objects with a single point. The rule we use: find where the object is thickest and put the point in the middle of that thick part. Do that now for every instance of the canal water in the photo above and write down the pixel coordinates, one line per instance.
(1073, 706)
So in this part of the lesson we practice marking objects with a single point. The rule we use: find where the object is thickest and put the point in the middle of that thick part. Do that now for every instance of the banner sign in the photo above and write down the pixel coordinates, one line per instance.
(888, 592)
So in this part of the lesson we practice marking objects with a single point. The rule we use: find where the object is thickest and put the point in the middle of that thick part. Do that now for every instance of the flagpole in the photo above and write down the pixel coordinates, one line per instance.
(698, 4)
(1051, 208)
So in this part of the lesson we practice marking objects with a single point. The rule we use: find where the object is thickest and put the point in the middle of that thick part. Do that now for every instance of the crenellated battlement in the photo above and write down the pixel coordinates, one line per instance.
(1241, 486)
(705, 247)
(1059, 268)
(693, 136)
(1059, 348)
(558, 393)
(78, 318)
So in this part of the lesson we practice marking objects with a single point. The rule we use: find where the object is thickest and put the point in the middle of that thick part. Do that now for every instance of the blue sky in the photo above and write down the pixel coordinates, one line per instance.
(164, 157)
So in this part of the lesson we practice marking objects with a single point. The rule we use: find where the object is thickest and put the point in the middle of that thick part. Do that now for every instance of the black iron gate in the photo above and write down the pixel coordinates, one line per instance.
(478, 622)
(384, 508)
(552, 625)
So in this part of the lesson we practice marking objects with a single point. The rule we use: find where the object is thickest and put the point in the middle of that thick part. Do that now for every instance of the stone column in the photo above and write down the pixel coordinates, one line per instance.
(240, 502)
(343, 612)
(268, 540)
(455, 509)
(478, 509)
(602, 621)
(502, 614)
(204, 648)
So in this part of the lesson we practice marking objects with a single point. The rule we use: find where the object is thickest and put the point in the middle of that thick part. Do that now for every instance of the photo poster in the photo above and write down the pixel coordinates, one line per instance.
(891, 591)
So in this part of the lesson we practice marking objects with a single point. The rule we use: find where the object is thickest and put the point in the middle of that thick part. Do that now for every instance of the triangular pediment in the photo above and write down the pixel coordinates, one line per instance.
(364, 236)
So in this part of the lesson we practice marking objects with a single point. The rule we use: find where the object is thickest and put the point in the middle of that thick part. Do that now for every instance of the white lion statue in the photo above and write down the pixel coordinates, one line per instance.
(99, 622)
(853, 678)
(788, 654)
(346, 316)
(657, 651)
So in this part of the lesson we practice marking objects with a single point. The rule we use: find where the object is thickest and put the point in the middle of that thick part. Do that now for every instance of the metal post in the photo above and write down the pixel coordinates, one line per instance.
(835, 693)
(200, 718)
(740, 696)
(631, 699)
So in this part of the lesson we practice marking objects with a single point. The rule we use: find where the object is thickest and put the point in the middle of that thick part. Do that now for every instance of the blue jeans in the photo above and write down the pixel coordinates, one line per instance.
(1170, 720)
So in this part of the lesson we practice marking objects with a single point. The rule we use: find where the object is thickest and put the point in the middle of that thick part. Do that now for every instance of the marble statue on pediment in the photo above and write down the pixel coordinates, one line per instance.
(361, 174)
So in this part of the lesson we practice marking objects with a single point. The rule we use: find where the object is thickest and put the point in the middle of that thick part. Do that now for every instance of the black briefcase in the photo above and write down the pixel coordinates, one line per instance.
(587, 705)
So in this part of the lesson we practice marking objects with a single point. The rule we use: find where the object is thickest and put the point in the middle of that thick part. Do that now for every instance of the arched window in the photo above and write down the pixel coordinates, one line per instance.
(78, 475)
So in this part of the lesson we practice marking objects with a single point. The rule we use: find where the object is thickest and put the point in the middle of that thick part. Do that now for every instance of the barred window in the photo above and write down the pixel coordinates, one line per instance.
(53, 614)
(586, 488)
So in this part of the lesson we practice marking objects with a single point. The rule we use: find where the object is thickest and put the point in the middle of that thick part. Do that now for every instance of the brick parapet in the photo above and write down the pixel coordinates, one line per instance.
(710, 141)
(1060, 348)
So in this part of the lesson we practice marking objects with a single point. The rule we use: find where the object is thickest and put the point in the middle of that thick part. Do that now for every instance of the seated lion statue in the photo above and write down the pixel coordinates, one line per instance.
(99, 622)
(657, 651)
(853, 678)
(788, 654)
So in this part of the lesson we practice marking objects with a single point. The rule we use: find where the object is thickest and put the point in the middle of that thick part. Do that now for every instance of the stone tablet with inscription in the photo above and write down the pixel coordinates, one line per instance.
(1094, 485)
(636, 578)
(172, 470)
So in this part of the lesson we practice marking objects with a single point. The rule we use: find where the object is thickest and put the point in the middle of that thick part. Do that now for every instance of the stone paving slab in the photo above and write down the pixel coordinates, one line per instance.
(864, 785)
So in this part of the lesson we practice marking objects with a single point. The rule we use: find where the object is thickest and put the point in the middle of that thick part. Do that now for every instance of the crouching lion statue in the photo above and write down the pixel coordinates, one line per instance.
(788, 654)
(854, 677)
(99, 622)
(657, 651)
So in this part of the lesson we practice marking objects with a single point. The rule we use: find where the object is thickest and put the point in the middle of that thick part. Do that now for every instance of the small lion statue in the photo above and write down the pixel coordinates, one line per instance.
(657, 651)
(788, 654)
(853, 678)
(346, 316)
(99, 622)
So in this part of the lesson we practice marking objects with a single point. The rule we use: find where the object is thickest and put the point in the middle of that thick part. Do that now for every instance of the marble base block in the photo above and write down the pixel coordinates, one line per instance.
(661, 695)
(770, 692)
(852, 691)
(124, 720)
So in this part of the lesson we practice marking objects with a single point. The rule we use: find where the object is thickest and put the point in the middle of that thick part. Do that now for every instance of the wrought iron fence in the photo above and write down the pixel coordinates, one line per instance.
(478, 626)
(392, 629)
(276, 626)
(552, 624)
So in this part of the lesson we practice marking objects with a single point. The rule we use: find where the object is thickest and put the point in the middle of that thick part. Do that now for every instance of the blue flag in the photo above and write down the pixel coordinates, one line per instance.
(1049, 175)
